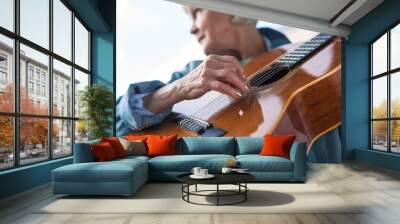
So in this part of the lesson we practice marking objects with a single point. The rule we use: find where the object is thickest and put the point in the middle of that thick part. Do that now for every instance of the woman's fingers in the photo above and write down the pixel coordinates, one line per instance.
(224, 88)
(231, 77)
(225, 69)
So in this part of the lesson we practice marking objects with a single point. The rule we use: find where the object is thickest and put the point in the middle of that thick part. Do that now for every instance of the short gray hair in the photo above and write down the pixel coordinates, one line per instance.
(236, 19)
(241, 20)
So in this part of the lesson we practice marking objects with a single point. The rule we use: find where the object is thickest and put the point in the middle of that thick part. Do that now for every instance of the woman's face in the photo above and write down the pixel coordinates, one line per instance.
(214, 31)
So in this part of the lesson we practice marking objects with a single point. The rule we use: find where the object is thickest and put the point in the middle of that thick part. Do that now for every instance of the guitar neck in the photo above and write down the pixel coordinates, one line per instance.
(293, 58)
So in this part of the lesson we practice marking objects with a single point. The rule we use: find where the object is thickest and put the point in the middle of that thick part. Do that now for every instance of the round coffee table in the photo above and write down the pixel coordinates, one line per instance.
(238, 179)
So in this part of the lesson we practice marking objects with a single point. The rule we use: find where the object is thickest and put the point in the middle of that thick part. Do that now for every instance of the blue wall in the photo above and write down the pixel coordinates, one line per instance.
(24, 178)
(100, 17)
(355, 133)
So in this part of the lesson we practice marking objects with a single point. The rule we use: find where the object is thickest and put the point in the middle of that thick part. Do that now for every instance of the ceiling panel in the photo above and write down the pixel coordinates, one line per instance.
(314, 15)
(321, 9)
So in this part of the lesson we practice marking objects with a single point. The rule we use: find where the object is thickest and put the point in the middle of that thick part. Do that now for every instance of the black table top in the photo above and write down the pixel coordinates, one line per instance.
(220, 178)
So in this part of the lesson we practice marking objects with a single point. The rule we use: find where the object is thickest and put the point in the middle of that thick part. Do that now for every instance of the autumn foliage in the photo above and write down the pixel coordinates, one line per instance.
(33, 131)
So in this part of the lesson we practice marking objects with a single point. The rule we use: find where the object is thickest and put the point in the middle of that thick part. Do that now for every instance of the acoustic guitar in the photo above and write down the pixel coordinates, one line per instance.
(294, 89)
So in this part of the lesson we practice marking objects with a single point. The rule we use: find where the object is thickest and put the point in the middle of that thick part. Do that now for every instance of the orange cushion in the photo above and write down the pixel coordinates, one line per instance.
(161, 145)
(116, 145)
(277, 145)
(103, 152)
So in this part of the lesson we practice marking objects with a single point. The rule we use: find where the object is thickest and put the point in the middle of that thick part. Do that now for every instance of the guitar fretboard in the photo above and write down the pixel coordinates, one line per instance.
(294, 57)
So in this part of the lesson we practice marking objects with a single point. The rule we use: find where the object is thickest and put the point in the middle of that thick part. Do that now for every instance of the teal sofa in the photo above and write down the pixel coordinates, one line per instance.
(125, 176)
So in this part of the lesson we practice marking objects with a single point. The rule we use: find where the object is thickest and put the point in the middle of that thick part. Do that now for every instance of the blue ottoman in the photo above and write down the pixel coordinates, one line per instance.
(118, 177)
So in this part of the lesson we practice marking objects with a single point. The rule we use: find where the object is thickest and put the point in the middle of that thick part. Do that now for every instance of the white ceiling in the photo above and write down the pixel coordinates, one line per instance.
(319, 9)
(324, 16)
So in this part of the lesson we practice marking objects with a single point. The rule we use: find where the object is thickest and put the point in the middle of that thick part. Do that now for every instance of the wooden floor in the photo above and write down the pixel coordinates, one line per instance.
(378, 188)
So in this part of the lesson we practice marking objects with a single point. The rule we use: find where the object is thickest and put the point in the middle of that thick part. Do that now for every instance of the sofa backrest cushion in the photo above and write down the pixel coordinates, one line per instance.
(249, 145)
(206, 145)
(83, 152)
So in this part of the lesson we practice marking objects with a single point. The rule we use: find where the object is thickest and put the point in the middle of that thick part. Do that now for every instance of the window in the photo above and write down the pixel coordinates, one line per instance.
(30, 72)
(7, 73)
(81, 81)
(81, 45)
(62, 140)
(385, 94)
(30, 87)
(62, 74)
(44, 91)
(62, 29)
(6, 142)
(37, 89)
(3, 78)
(3, 72)
(33, 149)
(38, 74)
(46, 75)
(7, 14)
(35, 21)
(3, 61)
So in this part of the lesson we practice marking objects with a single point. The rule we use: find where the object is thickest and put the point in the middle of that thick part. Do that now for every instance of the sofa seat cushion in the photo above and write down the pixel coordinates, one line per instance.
(133, 158)
(185, 163)
(112, 171)
(257, 163)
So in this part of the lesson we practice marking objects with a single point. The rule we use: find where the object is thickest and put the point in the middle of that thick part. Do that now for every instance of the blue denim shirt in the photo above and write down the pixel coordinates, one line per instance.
(132, 116)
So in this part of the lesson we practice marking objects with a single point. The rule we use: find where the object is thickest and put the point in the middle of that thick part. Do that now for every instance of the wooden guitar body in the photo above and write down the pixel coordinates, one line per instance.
(306, 102)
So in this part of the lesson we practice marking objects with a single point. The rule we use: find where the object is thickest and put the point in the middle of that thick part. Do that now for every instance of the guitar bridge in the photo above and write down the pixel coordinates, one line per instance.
(198, 126)
(193, 124)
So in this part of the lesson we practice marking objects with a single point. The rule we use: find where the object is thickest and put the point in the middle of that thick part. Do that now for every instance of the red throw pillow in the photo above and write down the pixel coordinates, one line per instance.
(161, 145)
(103, 152)
(116, 145)
(277, 145)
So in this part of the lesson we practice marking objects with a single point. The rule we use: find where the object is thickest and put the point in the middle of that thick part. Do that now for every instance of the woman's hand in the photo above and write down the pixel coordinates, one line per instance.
(220, 73)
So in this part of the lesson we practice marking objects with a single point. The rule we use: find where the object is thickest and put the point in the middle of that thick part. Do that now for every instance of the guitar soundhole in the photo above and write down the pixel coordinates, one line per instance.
(272, 74)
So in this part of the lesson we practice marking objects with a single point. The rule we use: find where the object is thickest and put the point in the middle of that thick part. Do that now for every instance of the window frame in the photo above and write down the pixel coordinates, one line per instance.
(16, 115)
(388, 74)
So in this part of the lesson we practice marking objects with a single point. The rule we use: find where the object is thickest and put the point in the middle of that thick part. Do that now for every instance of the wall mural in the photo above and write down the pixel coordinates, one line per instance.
(253, 82)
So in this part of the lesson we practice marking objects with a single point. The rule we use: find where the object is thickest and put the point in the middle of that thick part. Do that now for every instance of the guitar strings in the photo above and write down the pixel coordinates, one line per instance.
(219, 100)
(222, 96)
(262, 77)
(258, 80)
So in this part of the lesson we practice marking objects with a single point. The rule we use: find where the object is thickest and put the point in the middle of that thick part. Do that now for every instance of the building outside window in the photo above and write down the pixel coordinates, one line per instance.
(3, 78)
(3, 72)
(30, 87)
(58, 128)
(385, 91)
(38, 89)
(43, 90)
(37, 74)
(44, 77)
(30, 72)
(3, 61)
(3, 81)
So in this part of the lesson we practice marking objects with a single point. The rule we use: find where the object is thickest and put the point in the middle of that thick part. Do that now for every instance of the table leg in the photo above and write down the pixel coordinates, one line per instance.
(245, 193)
(217, 194)
(182, 190)
(188, 190)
